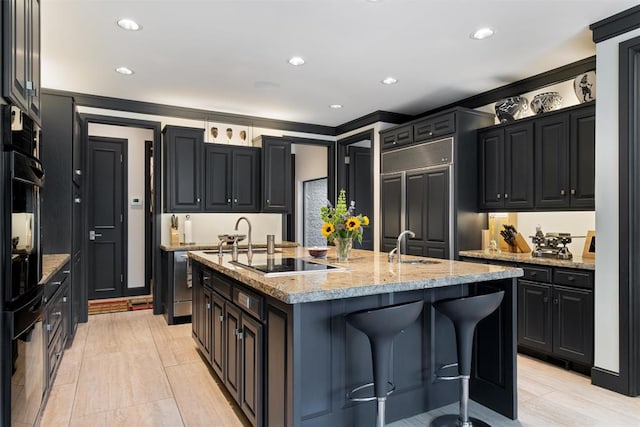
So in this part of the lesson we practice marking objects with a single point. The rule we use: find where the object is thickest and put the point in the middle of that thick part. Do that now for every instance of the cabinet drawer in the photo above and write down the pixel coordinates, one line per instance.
(222, 286)
(537, 274)
(249, 302)
(54, 317)
(434, 127)
(54, 353)
(580, 279)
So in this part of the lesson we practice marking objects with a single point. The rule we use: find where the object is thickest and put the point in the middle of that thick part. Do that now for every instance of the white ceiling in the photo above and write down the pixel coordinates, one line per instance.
(231, 56)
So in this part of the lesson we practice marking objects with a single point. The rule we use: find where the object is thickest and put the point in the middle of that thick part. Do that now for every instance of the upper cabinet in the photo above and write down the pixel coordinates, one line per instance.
(506, 167)
(277, 184)
(183, 149)
(421, 130)
(231, 178)
(540, 163)
(21, 58)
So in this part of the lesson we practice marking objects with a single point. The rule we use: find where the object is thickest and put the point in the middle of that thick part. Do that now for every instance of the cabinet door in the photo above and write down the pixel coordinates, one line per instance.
(534, 315)
(518, 166)
(416, 188)
(205, 324)
(183, 171)
(76, 292)
(217, 181)
(246, 179)
(197, 301)
(552, 162)
(217, 335)
(17, 55)
(573, 324)
(491, 180)
(391, 206)
(436, 220)
(251, 365)
(33, 85)
(396, 137)
(232, 350)
(434, 127)
(583, 158)
(77, 158)
(276, 172)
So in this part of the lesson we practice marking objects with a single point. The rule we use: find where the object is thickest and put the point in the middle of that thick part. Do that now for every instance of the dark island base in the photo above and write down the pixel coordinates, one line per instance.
(313, 357)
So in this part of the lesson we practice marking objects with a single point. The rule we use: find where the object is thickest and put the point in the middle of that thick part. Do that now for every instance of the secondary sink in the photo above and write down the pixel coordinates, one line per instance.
(243, 250)
(419, 261)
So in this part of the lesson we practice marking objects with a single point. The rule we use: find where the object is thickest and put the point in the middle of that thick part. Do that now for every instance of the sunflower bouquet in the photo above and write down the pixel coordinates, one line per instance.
(341, 221)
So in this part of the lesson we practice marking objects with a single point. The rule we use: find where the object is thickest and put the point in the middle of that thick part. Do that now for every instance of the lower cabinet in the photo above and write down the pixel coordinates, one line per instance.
(228, 328)
(56, 325)
(557, 319)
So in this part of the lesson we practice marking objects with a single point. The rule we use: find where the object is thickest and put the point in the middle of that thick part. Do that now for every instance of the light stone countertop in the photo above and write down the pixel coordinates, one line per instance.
(214, 246)
(368, 273)
(526, 258)
(51, 264)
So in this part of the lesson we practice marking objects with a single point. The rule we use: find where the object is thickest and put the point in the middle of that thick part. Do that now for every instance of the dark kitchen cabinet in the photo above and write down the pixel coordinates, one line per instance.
(277, 185)
(555, 313)
(542, 163)
(56, 320)
(218, 344)
(391, 203)
(232, 178)
(397, 137)
(183, 149)
(427, 213)
(250, 358)
(232, 351)
(77, 151)
(434, 127)
(506, 168)
(200, 287)
(21, 35)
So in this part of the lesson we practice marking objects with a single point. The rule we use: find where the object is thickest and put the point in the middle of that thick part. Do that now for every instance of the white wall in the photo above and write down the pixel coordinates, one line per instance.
(311, 163)
(135, 188)
(607, 209)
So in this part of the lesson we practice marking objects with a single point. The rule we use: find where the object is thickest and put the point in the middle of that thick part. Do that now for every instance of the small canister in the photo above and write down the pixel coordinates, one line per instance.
(271, 244)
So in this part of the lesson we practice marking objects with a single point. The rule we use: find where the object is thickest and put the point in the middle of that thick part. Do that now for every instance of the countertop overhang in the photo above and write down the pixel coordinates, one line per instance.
(51, 264)
(367, 273)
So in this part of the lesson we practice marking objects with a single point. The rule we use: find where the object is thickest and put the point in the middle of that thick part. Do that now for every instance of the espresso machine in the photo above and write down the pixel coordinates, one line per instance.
(551, 245)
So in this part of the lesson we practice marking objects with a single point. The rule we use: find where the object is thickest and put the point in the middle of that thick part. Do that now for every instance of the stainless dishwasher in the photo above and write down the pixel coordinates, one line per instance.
(181, 284)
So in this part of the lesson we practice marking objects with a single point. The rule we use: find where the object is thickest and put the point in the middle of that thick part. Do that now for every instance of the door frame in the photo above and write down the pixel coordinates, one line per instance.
(153, 284)
(124, 232)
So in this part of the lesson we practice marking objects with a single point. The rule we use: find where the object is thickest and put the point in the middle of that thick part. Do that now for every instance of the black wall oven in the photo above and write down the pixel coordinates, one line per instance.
(22, 349)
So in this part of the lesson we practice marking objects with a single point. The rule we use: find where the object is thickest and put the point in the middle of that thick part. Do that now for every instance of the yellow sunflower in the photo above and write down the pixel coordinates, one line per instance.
(327, 229)
(365, 220)
(353, 223)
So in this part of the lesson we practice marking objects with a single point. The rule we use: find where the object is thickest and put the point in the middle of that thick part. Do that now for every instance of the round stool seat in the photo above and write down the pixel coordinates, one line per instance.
(381, 325)
(469, 309)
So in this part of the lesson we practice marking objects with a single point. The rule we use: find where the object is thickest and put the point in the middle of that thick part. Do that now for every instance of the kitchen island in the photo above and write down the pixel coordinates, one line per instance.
(282, 348)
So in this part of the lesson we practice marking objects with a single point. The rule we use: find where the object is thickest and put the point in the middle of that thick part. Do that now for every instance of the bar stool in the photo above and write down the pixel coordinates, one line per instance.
(465, 313)
(381, 325)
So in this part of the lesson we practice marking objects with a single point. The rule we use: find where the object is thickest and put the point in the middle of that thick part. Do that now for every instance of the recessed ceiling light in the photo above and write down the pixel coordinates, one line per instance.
(129, 24)
(296, 60)
(482, 33)
(335, 106)
(389, 81)
(124, 70)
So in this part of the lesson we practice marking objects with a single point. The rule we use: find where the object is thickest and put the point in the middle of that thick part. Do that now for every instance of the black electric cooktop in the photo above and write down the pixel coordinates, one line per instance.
(289, 266)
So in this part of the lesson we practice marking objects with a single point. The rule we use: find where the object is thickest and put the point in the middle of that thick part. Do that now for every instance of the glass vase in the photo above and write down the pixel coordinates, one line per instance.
(343, 248)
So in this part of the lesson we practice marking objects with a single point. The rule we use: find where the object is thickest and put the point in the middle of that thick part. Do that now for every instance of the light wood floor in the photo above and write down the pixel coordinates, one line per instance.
(132, 369)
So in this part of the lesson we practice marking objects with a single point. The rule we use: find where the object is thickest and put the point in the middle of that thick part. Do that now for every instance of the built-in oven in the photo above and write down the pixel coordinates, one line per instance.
(21, 346)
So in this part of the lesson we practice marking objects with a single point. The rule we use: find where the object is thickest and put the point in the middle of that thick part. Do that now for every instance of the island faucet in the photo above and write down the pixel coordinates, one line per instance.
(397, 249)
(250, 249)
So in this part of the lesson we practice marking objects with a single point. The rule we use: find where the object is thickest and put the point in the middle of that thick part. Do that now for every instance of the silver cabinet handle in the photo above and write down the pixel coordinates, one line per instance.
(77, 200)
(208, 306)
(239, 333)
(228, 200)
(64, 299)
(48, 327)
(93, 235)
(498, 195)
(235, 200)
(221, 318)
(562, 192)
(66, 271)
(198, 200)
(268, 201)
(57, 313)
(506, 196)
(573, 191)
(78, 172)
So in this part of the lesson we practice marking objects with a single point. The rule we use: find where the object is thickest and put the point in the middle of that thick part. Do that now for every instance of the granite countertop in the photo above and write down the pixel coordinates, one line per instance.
(368, 273)
(51, 264)
(526, 258)
(211, 246)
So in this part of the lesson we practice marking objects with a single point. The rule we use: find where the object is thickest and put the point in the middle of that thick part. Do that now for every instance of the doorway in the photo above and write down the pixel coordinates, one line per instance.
(355, 175)
(106, 216)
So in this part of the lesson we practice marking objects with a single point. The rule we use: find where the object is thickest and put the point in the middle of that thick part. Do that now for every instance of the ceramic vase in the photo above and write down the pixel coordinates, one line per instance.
(510, 109)
(585, 86)
(545, 102)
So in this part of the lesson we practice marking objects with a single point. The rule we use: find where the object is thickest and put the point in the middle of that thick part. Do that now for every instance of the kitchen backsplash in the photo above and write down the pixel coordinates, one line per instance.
(576, 223)
(207, 226)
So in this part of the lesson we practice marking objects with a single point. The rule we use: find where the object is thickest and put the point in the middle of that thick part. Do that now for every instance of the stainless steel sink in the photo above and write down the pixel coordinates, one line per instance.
(419, 261)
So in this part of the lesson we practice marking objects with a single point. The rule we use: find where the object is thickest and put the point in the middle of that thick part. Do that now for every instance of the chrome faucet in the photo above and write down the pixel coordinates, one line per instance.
(250, 249)
(397, 249)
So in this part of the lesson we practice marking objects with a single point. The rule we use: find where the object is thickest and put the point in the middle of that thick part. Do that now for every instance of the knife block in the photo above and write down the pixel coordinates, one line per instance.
(175, 237)
(521, 245)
